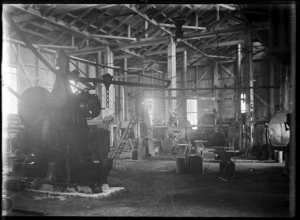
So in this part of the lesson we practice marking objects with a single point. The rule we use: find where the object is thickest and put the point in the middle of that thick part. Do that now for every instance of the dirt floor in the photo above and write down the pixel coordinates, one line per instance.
(153, 188)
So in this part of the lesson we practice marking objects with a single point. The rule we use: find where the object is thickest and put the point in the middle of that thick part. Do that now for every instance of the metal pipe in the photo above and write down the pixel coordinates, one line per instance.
(224, 88)
(94, 80)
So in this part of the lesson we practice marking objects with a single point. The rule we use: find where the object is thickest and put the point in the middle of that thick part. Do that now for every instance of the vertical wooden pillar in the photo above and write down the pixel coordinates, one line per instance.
(146, 27)
(19, 67)
(37, 73)
(271, 91)
(99, 73)
(291, 165)
(124, 91)
(170, 105)
(238, 95)
(73, 40)
(249, 82)
(129, 30)
(183, 86)
(216, 92)
(196, 19)
(108, 60)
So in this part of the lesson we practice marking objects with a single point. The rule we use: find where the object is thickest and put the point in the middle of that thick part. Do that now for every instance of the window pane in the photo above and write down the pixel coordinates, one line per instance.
(191, 105)
(192, 118)
(10, 102)
(243, 103)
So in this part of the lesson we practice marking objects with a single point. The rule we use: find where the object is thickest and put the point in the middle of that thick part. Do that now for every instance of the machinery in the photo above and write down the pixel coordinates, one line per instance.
(57, 143)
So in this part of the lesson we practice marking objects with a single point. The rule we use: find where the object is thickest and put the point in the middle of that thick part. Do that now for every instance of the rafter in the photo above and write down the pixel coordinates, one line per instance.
(82, 14)
(89, 23)
(58, 23)
(113, 37)
(141, 43)
(120, 24)
(227, 7)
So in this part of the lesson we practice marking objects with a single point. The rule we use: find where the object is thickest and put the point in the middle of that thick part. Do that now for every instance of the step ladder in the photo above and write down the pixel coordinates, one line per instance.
(122, 142)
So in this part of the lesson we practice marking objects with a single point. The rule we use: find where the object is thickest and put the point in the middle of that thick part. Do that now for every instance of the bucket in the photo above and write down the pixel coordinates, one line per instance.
(180, 165)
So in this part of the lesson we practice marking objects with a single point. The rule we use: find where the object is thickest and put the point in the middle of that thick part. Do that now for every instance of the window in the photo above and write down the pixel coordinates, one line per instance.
(149, 106)
(191, 111)
(243, 103)
(9, 101)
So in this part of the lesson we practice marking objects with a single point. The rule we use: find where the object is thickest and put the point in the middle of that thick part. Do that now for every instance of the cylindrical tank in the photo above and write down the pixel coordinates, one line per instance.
(279, 135)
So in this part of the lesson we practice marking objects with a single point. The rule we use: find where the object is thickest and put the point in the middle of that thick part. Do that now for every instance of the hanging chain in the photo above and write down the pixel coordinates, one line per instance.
(107, 97)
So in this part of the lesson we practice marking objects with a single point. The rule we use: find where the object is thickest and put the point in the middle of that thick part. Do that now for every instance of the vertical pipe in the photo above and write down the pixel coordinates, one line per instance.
(171, 103)
(271, 91)
(183, 85)
(196, 20)
(284, 88)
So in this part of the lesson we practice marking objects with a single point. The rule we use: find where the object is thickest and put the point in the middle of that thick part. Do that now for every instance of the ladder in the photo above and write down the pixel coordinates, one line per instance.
(122, 142)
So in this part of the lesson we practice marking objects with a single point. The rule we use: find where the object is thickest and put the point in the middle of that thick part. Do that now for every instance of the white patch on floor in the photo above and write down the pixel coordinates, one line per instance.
(106, 193)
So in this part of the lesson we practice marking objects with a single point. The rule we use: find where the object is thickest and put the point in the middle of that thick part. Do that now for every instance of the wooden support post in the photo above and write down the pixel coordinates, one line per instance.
(171, 104)
(108, 61)
(238, 82)
(250, 93)
(125, 97)
(73, 40)
(183, 85)
(99, 73)
(37, 73)
(129, 30)
(18, 55)
(146, 27)
(272, 102)
(216, 92)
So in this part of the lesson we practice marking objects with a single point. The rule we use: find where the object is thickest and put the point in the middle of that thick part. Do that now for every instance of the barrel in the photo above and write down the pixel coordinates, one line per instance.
(180, 165)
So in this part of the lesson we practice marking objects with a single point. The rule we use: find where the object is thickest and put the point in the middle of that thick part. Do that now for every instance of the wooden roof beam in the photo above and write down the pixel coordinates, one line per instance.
(51, 46)
(89, 23)
(221, 44)
(226, 30)
(85, 51)
(84, 13)
(141, 43)
(227, 7)
(59, 24)
(113, 37)
(184, 26)
(120, 24)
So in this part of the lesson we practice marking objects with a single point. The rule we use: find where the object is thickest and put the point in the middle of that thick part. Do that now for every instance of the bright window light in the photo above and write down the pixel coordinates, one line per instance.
(149, 105)
(243, 103)
(73, 89)
(192, 114)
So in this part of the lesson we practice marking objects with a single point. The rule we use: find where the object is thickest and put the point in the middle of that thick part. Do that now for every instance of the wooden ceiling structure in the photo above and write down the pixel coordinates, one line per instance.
(138, 32)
